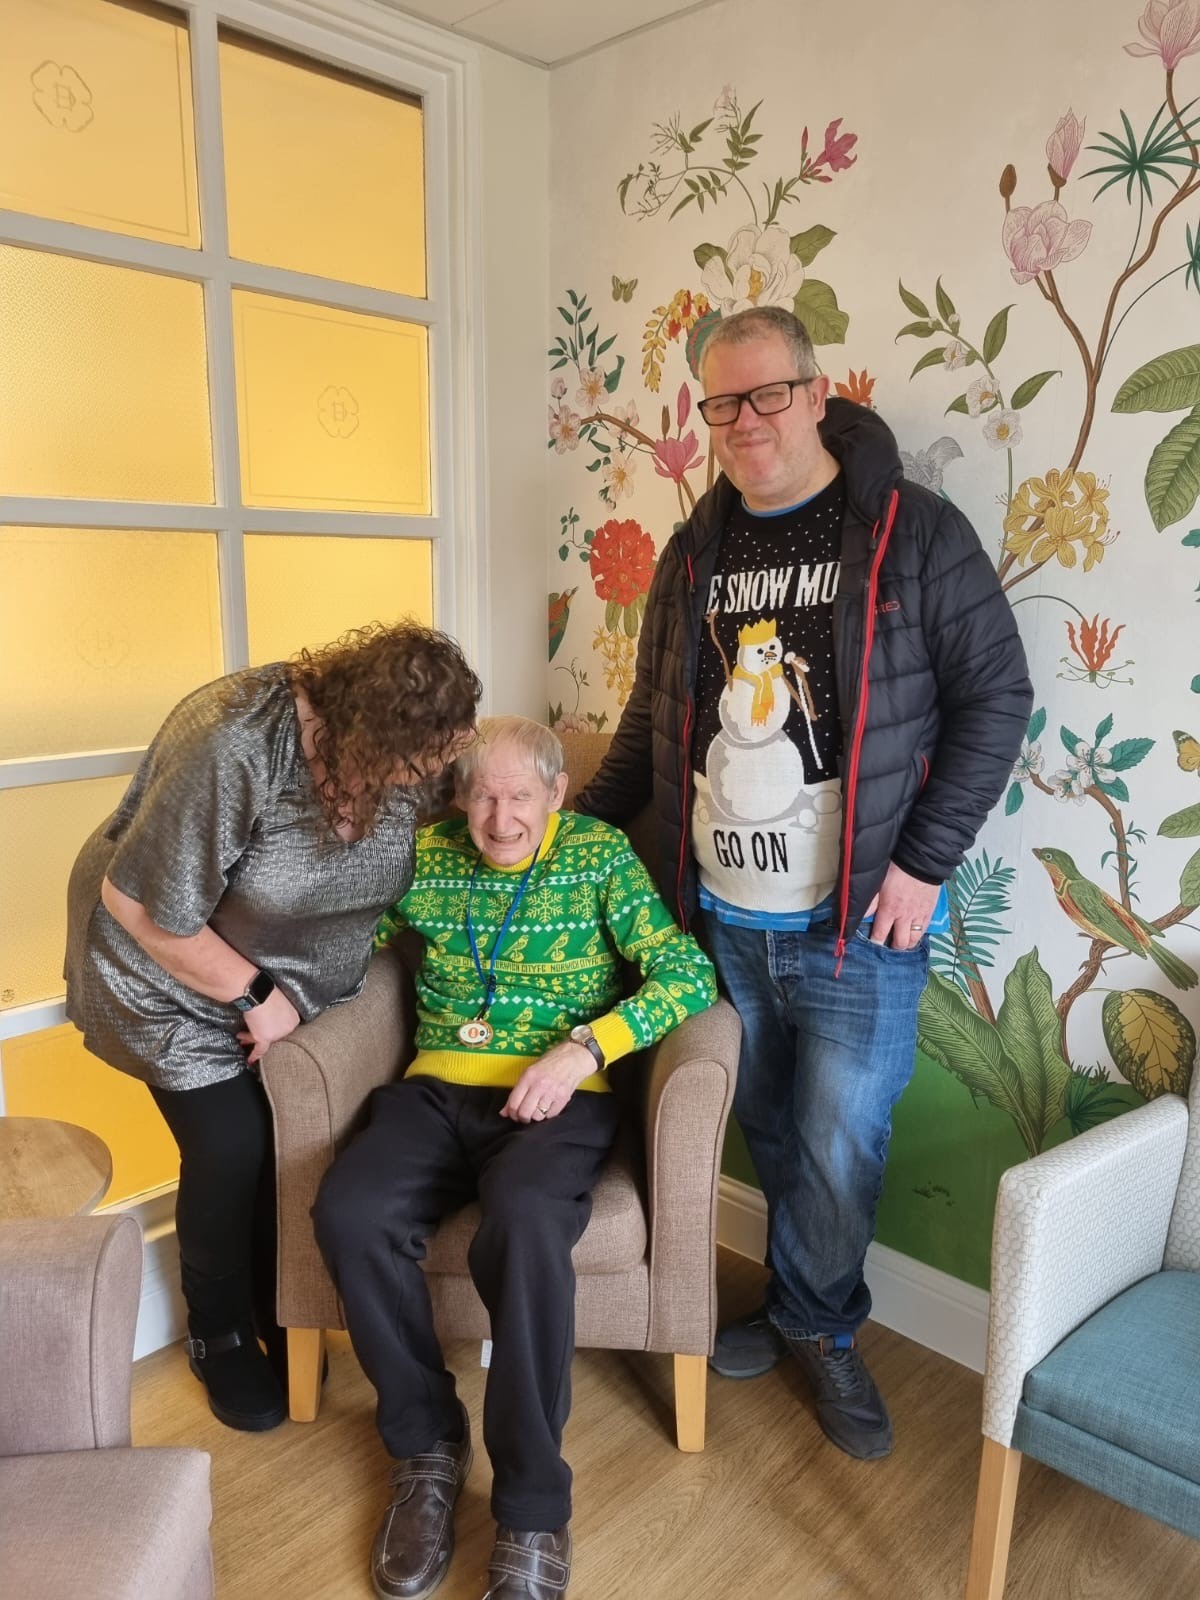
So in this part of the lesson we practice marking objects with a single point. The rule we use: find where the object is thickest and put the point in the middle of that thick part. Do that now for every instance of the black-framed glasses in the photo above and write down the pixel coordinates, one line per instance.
(721, 409)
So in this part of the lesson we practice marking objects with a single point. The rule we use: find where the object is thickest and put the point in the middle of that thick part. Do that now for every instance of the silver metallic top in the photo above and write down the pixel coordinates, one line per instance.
(222, 826)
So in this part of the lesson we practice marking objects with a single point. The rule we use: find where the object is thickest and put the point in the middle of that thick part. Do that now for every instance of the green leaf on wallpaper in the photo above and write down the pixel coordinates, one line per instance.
(931, 358)
(951, 1031)
(1170, 382)
(1189, 882)
(816, 306)
(1030, 389)
(1036, 724)
(612, 615)
(1173, 473)
(1126, 753)
(997, 333)
(917, 307)
(1117, 789)
(1152, 1042)
(959, 405)
(1093, 1097)
(1014, 800)
(614, 377)
(944, 303)
(704, 253)
(920, 330)
(1071, 741)
(807, 246)
(1031, 1031)
(1183, 824)
(1103, 728)
(1192, 538)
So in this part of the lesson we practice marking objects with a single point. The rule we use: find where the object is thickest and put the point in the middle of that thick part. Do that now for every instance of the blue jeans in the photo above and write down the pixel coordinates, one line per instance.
(824, 1059)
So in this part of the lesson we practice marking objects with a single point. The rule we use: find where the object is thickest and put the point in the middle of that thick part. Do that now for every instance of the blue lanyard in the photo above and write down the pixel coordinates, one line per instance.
(489, 983)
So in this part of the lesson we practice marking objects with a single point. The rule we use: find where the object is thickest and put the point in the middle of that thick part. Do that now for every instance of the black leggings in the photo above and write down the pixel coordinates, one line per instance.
(225, 1211)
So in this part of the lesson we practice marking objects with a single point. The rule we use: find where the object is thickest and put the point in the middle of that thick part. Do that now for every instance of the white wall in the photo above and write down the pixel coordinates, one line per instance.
(515, 133)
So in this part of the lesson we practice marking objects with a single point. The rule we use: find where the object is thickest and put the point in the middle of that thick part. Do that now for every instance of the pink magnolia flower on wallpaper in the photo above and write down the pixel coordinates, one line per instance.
(1039, 238)
(674, 457)
(1064, 144)
(836, 153)
(1169, 29)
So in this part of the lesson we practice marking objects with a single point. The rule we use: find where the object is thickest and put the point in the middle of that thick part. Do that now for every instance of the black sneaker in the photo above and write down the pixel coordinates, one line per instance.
(243, 1392)
(749, 1347)
(850, 1407)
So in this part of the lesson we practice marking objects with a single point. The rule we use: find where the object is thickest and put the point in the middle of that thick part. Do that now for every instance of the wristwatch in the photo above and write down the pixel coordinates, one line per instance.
(261, 987)
(582, 1034)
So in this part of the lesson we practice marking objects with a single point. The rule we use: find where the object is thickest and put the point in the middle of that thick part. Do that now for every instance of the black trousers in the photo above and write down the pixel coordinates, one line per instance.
(430, 1148)
(225, 1212)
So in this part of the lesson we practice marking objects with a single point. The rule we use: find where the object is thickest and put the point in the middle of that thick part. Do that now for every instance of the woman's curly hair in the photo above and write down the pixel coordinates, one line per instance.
(384, 696)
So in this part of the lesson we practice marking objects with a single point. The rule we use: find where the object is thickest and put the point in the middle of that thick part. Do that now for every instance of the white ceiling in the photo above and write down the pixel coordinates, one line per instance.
(548, 32)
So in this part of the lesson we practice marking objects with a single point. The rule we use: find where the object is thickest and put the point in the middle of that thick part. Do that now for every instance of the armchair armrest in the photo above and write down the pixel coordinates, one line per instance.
(689, 1091)
(317, 1081)
(67, 1319)
(1074, 1227)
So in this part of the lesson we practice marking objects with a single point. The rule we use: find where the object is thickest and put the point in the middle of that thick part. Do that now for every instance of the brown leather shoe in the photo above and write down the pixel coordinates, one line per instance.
(412, 1550)
(530, 1566)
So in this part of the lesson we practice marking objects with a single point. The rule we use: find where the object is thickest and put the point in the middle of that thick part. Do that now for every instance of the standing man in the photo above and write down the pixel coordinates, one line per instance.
(830, 694)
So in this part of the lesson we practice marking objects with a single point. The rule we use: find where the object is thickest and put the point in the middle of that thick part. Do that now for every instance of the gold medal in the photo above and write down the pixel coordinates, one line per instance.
(475, 1033)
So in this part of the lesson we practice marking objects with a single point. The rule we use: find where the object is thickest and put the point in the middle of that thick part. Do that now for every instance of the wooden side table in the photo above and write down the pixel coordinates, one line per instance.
(50, 1169)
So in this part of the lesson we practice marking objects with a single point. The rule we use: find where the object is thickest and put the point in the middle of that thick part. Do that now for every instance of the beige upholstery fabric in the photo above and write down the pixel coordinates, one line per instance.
(646, 1262)
(115, 1524)
(68, 1315)
(80, 1512)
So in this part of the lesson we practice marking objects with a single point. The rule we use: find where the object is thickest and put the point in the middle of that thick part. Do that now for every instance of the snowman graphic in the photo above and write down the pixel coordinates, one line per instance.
(756, 773)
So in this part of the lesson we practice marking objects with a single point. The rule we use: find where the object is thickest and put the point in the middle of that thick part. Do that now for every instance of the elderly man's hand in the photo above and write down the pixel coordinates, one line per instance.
(546, 1085)
(902, 909)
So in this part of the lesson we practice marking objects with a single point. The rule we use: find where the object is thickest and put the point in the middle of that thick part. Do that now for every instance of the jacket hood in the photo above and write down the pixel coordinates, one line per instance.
(865, 448)
(860, 442)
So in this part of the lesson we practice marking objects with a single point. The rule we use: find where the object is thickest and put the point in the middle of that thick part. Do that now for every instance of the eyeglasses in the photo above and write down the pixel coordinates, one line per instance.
(721, 409)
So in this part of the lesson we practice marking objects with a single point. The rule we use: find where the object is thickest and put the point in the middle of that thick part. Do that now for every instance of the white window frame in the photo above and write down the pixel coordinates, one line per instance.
(443, 71)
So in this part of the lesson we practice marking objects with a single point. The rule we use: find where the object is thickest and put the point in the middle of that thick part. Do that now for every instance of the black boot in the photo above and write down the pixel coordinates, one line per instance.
(243, 1391)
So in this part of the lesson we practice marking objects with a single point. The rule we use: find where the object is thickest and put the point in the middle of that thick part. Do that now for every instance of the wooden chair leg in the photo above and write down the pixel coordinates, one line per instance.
(997, 1497)
(306, 1356)
(691, 1391)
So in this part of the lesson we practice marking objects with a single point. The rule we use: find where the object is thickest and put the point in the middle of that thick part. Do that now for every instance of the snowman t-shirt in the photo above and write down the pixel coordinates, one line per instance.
(766, 755)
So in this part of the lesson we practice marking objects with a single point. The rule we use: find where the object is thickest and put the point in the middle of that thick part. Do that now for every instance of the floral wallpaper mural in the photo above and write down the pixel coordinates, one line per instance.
(1040, 365)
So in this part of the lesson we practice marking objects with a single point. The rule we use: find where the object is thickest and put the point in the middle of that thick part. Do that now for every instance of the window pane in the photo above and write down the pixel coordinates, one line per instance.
(323, 173)
(96, 117)
(101, 632)
(104, 382)
(41, 830)
(333, 407)
(50, 1074)
(307, 591)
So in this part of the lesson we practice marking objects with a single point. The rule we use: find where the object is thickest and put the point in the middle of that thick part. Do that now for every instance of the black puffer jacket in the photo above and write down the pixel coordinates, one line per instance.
(930, 740)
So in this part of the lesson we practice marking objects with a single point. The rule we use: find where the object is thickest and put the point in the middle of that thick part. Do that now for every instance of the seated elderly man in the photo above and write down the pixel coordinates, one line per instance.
(527, 913)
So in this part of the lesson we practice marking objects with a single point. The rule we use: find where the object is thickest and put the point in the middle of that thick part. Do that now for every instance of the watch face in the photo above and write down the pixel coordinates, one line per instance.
(261, 987)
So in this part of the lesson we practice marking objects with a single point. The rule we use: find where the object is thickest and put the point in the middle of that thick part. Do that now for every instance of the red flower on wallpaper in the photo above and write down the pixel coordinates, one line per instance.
(621, 561)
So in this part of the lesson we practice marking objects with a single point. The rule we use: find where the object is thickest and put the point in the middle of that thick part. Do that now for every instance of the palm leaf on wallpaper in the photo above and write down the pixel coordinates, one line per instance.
(979, 897)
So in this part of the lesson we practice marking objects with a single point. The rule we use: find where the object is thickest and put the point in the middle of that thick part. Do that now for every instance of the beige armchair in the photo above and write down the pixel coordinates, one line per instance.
(646, 1263)
(81, 1513)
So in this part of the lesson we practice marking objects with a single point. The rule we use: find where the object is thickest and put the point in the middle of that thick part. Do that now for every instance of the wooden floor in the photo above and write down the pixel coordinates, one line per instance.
(769, 1510)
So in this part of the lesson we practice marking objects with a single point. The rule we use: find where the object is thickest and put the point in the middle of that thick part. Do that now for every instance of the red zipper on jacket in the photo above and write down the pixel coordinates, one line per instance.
(687, 770)
(860, 723)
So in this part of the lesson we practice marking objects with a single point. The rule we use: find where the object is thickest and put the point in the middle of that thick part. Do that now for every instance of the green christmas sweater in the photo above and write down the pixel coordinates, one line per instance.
(589, 905)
